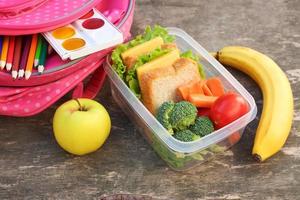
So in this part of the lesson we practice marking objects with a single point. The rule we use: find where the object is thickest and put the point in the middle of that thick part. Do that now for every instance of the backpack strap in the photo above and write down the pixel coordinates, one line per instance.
(93, 86)
(95, 83)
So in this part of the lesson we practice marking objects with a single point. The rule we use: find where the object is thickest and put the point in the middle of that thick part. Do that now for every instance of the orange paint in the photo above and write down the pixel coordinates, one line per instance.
(63, 32)
(73, 44)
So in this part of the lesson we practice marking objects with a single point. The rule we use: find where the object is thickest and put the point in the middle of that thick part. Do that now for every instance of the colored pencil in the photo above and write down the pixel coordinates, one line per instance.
(30, 59)
(17, 56)
(43, 57)
(4, 52)
(50, 49)
(10, 54)
(1, 42)
(38, 51)
(24, 57)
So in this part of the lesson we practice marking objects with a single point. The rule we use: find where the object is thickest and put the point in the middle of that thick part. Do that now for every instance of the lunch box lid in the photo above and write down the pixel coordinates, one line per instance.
(27, 17)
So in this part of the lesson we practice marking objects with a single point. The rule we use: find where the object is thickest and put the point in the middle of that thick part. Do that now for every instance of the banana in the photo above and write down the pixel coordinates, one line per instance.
(277, 114)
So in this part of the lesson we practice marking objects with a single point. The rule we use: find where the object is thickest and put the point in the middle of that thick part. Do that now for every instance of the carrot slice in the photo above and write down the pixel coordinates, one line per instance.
(196, 88)
(216, 87)
(184, 92)
(206, 90)
(200, 100)
(191, 87)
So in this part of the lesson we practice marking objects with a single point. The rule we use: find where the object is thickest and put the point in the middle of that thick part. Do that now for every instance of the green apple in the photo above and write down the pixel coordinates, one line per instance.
(81, 126)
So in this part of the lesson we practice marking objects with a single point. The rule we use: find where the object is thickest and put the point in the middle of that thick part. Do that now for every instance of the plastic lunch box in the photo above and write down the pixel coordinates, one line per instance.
(183, 155)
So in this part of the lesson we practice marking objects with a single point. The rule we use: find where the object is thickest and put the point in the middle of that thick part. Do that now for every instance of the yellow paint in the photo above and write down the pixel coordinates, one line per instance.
(63, 32)
(73, 43)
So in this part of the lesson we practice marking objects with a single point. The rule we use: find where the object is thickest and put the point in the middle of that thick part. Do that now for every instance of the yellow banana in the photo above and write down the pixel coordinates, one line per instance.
(277, 114)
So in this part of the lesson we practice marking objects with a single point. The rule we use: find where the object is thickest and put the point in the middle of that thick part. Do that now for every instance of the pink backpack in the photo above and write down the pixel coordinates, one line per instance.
(17, 17)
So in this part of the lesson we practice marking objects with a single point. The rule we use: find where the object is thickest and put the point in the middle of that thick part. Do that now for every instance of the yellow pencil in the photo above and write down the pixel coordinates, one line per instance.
(31, 55)
(4, 52)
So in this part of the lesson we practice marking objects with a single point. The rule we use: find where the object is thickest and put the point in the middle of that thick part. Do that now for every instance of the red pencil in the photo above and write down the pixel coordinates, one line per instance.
(10, 54)
(17, 57)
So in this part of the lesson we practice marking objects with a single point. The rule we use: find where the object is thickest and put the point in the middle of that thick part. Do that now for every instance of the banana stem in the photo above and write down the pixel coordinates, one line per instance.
(257, 157)
(214, 54)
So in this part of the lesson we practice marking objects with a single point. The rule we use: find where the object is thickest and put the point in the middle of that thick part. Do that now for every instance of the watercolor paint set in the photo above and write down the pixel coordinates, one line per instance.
(23, 55)
(90, 33)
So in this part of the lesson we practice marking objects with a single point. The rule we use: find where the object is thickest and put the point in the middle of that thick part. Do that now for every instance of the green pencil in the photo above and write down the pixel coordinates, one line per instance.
(38, 51)
(42, 57)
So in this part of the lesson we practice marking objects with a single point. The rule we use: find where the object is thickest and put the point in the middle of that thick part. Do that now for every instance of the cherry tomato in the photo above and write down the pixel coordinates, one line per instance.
(228, 108)
(204, 112)
(234, 138)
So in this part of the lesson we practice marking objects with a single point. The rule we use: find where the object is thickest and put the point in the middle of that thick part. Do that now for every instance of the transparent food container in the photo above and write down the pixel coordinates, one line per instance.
(183, 155)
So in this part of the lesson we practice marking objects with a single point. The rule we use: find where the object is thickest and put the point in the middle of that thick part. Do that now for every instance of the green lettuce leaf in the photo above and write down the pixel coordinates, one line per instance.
(157, 31)
(189, 54)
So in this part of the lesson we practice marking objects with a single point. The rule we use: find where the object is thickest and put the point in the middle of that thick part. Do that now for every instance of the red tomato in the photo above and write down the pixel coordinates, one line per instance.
(204, 112)
(228, 108)
(234, 138)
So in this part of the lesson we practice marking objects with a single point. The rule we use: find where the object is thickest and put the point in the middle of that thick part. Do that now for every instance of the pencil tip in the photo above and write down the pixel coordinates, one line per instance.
(36, 62)
(21, 74)
(2, 64)
(40, 68)
(8, 66)
(27, 75)
(14, 74)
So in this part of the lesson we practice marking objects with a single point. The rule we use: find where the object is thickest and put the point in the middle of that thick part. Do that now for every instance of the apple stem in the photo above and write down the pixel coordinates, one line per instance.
(81, 108)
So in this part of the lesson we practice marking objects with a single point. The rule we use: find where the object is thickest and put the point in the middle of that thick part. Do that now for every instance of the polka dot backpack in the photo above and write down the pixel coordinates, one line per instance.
(84, 76)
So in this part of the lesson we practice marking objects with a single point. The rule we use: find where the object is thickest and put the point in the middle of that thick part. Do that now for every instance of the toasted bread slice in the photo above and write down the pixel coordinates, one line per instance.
(159, 84)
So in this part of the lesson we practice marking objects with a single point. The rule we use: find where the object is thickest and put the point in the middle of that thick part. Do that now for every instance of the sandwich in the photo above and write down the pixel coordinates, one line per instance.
(153, 67)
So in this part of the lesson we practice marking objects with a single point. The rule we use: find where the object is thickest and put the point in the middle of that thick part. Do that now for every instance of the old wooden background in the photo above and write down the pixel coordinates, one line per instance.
(33, 166)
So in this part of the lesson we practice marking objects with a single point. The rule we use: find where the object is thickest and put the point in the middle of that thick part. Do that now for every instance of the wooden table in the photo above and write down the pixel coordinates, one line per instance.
(33, 166)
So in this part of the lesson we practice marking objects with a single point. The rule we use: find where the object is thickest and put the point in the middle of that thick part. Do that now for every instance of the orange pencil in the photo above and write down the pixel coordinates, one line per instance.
(10, 54)
(31, 55)
(4, 52)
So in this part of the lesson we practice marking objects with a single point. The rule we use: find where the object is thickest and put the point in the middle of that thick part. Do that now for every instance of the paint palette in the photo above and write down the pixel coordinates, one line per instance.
(90, 33)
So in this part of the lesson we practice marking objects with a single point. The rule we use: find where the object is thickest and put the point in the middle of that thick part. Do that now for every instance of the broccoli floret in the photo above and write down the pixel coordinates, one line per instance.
(186, 136)
(202, 127)
(163, 114)
(183, 115)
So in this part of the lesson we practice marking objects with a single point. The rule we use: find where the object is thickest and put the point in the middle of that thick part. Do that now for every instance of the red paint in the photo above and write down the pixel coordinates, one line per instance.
(93, 23)
(87, 15)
